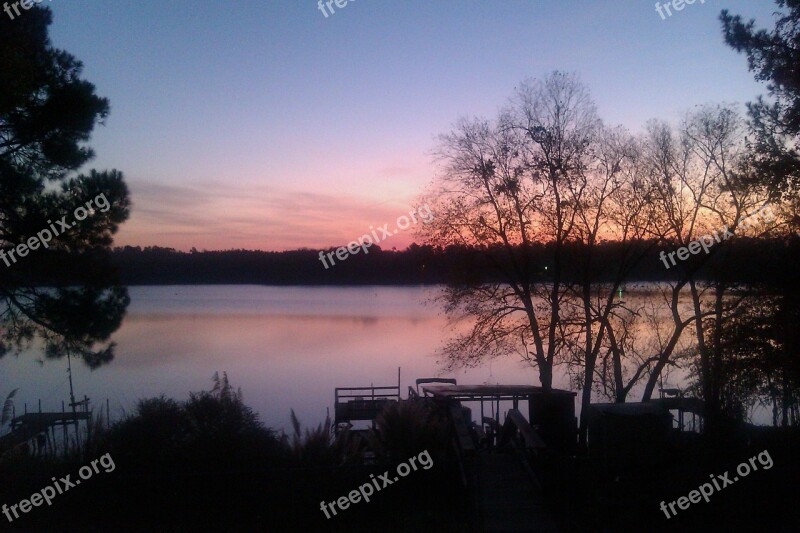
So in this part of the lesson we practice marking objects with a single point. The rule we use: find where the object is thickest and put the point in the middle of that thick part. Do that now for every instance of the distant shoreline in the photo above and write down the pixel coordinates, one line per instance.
(757, 261)
(745, 260)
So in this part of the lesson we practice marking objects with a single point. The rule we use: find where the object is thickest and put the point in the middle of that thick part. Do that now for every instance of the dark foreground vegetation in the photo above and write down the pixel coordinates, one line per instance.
(587, 496)
(208, 464)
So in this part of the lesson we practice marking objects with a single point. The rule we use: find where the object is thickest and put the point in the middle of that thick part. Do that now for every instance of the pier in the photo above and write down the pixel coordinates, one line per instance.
(514, 444)
(39, 428)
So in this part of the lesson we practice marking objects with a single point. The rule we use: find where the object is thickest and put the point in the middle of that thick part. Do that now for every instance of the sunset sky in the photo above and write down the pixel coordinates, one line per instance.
(265, 125)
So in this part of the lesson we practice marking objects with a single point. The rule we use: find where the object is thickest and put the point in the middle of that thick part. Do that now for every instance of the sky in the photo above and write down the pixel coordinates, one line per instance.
(267, 125)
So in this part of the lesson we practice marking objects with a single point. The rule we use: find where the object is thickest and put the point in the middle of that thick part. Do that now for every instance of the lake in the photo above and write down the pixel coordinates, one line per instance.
(286, 347)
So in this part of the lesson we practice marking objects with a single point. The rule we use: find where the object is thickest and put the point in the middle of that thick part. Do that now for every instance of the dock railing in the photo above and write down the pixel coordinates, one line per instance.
(363, 403)
(365, 393)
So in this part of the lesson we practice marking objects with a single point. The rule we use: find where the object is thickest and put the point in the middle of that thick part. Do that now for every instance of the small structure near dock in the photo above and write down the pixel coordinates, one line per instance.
(550, 412)
(634, 437)
(627, 437)
(674, 400)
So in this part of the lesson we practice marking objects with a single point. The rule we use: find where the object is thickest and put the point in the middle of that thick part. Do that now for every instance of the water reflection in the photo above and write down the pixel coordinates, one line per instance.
(286, 347)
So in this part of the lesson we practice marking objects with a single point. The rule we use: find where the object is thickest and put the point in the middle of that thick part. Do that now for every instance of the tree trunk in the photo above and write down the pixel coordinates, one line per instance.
(586, 399)
(546, 375)
(662, 362)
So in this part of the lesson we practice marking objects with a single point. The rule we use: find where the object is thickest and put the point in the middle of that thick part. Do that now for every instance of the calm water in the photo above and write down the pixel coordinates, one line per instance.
(286, 347)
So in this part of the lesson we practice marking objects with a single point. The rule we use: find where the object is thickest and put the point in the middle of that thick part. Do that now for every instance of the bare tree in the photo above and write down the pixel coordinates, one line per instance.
(547, 175)
(614, 205)
(702, 196)
(508, 185)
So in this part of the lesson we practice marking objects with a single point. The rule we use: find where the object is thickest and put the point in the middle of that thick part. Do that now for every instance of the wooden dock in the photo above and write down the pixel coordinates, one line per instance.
(30, 425)
(495, 455)
(506, 492)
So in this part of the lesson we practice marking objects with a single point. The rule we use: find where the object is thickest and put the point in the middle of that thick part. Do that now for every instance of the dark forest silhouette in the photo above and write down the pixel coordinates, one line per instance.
(766, 261)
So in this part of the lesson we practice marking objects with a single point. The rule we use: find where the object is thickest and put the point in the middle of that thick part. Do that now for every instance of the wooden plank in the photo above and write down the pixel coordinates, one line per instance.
(461, 428)
(49, 418)
(491, 391)
(424, 381)
(529, 435)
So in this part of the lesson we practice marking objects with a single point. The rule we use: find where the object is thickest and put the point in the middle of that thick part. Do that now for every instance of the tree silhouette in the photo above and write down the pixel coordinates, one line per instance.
(47, 113)
(774, 57)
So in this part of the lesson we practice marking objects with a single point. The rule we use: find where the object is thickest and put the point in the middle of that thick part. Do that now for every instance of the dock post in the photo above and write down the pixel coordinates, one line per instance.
(64, 427)
(88, 420)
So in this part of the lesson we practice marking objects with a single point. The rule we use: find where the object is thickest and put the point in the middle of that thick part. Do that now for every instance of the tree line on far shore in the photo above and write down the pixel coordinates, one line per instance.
(746, 260)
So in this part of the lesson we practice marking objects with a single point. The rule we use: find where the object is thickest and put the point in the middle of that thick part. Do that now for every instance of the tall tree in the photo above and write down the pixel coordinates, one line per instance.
(47, 113)
(510, 185)
(707, 199)
(774, 57)
(612, 204)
